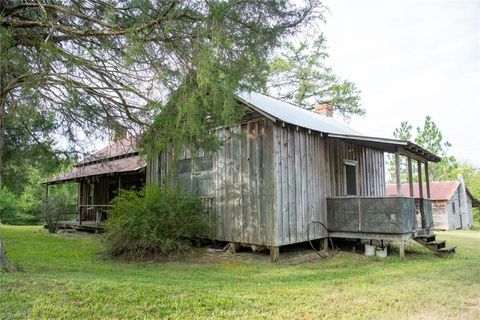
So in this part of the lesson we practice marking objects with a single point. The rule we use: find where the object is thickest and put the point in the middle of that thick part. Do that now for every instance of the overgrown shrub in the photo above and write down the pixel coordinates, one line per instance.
(154, 221)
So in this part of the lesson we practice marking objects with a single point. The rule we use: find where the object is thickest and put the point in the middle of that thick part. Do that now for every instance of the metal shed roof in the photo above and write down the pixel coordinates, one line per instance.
(116, 157)
(122, 165)
(280, 110)
(289, 113)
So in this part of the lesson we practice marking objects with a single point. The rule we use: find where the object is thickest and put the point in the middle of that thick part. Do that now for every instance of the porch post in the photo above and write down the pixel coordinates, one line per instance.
(410, 176)
(397, 173)
(420, 180)
(420, 193)
(427, 180)
(79, 202)
(46, 204)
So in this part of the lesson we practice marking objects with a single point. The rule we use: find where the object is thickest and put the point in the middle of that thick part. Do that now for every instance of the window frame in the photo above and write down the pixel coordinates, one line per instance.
(352, 163)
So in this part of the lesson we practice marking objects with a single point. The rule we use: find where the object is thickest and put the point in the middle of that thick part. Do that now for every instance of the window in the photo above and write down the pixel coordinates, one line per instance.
(351, 177)
(453, 207)
(196, 174)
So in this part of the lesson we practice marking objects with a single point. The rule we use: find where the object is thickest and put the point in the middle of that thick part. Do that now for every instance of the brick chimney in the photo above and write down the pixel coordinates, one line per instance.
(325, 109)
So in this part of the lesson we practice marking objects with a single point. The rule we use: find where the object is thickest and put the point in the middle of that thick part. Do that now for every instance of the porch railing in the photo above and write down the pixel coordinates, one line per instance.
(395, 215)
(96, 213)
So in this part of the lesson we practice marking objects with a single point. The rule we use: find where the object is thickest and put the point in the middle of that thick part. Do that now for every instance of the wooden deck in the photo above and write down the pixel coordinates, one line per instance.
(90, 226)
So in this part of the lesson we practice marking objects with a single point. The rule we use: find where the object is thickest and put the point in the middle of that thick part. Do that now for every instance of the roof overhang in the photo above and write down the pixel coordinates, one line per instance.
(128, 165)
(406, 148)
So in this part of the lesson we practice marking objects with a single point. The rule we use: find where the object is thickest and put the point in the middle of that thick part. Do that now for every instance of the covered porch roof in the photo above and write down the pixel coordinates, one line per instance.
(124, 165)
(403, 147)
(116, 158)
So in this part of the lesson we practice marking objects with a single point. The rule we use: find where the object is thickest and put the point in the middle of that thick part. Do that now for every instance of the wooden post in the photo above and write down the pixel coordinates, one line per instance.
(79, 201)
(420, 180)
(420, 193)
(427, 180)
(397, 173)
(274, 253)
(325, 244)
(46, 204)
(402, 249)
(410, 176)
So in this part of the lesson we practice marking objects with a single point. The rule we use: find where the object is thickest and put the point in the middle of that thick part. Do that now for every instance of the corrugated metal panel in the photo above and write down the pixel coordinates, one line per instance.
(289, 113)
(439, 190)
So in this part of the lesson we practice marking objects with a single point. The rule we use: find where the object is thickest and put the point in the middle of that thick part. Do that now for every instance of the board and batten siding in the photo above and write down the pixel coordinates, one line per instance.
(301, 184)
(269, 180)
(243, 184)
(370, 168)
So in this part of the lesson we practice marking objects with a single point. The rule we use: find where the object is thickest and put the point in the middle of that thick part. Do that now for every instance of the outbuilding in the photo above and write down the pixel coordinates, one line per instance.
(452, 203)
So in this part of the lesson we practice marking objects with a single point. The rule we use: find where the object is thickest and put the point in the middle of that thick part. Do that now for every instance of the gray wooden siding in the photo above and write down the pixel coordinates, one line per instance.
(370, 168)
(268, 180)
(240, 182)
(440, 215)
(243, 184)
(454, 216)
(300, 180)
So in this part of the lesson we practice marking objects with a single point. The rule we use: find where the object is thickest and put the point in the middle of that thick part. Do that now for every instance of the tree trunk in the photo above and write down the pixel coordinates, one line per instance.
(2, 127)
(4, 263)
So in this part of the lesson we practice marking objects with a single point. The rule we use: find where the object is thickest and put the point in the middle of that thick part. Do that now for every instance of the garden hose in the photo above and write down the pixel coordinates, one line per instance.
(320, 253)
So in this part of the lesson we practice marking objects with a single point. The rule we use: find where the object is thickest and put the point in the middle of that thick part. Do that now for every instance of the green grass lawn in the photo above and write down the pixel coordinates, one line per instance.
(65, 276)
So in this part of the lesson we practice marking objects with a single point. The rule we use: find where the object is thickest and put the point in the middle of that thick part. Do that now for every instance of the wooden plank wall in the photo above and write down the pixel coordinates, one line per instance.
(243, 184)
(269, 181)
(158, 167)
(370, 168)
(301, 184)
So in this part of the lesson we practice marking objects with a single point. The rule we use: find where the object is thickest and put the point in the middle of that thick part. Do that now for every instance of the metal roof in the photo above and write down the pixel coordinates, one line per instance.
(391, 145)
(116, 157)
(286, 112)
(112, 150)
(439, 190)
(122, 165)
(275, 109)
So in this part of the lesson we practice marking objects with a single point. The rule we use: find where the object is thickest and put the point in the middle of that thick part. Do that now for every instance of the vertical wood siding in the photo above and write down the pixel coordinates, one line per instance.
(269, 181)
(300, 180)
(370, 168)
(243, 184)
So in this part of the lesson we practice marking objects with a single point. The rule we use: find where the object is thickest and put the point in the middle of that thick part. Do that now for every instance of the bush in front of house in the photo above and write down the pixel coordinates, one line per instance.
(154, 221)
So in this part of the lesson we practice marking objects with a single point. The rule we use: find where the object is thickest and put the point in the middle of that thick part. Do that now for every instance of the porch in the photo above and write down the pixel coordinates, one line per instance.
(395, 218)
(380, 218)
(82, 217)
(401, 217)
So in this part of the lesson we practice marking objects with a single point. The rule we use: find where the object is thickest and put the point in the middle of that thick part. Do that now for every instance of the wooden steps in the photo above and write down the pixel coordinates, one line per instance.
(437, 246)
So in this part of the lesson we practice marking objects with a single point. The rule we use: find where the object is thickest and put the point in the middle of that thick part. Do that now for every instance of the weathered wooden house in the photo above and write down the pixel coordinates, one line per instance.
(283, 175)
(283, 171)
(452, 204)
(99, 178)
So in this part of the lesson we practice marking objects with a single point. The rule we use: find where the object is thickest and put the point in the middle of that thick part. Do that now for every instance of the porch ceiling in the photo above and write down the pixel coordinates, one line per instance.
(406, 148)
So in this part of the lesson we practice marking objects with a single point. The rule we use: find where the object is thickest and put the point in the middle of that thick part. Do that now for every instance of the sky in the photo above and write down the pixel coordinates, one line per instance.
(411, 59)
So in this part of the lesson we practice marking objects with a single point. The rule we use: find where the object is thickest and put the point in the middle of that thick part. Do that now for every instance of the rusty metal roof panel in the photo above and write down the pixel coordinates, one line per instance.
(113, 149)
(122, 165)
(439, 190)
